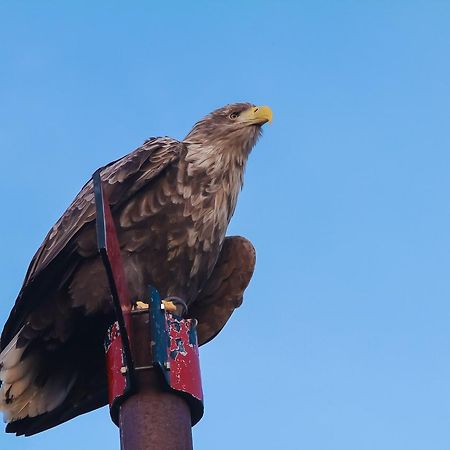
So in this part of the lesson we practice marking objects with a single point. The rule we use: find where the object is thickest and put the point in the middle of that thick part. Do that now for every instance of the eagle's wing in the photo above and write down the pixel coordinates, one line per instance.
(122, 179)
(225, 287)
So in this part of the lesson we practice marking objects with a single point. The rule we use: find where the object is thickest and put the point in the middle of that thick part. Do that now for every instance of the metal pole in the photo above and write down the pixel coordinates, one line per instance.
(151, 418)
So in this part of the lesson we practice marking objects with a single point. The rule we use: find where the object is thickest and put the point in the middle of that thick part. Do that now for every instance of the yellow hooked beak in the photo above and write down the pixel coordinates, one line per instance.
(256, 115)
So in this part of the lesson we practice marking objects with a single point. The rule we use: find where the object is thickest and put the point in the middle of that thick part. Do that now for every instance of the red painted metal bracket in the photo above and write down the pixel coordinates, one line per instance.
(117, 344)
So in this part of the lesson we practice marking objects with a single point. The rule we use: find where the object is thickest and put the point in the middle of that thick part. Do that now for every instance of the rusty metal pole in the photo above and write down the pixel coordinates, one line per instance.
(152, 418)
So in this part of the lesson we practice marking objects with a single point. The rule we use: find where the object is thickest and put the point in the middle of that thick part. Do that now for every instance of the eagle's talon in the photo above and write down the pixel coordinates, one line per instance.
(140, 305)
(169, 306)
(174, 305)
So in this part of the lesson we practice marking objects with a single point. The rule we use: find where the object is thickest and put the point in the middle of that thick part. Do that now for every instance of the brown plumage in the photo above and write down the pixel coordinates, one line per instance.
(172, 202)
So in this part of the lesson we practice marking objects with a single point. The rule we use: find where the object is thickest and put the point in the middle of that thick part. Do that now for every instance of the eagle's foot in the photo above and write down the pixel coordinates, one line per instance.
(174, 305)
(140, 305)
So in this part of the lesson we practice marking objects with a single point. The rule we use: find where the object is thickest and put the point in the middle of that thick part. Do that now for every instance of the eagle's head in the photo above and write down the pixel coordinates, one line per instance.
(233, 128)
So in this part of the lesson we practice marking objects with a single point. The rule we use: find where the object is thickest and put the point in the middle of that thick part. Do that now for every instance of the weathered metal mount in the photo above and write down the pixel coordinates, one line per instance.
(145, 338)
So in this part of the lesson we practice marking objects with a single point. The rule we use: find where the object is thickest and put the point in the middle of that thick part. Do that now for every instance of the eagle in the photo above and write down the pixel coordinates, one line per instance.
(171, 201)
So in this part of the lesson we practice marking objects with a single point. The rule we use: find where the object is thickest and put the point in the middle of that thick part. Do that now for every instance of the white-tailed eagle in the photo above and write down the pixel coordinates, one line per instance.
(171, 202)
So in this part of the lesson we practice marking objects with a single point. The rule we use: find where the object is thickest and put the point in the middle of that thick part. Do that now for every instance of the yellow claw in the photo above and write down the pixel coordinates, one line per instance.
(140, 305)
(169, 306)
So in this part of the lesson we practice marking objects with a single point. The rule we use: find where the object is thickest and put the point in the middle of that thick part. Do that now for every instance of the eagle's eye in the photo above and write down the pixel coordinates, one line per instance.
(234, 115)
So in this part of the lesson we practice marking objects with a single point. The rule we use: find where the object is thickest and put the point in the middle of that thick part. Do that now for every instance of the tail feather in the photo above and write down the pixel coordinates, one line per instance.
(18, 408)
(19, 371)
(22, 390)
(12, 353)
(16, 388)
(51, 395)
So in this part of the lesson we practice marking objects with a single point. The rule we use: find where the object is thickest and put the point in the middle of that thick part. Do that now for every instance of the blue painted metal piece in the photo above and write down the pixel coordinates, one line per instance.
(159, 333)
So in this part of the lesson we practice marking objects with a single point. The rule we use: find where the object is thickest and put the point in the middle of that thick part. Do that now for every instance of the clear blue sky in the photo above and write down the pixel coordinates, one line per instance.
(343, 340)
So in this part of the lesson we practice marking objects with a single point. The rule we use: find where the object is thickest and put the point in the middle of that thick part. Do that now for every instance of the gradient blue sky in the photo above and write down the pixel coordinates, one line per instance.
(343, 339)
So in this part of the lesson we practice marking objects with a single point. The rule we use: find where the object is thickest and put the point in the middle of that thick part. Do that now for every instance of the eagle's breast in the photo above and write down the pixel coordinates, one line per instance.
(175, 227)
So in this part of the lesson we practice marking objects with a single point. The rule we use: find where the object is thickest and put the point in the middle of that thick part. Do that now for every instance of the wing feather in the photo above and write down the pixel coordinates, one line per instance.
(224, 290)
(123, 178)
